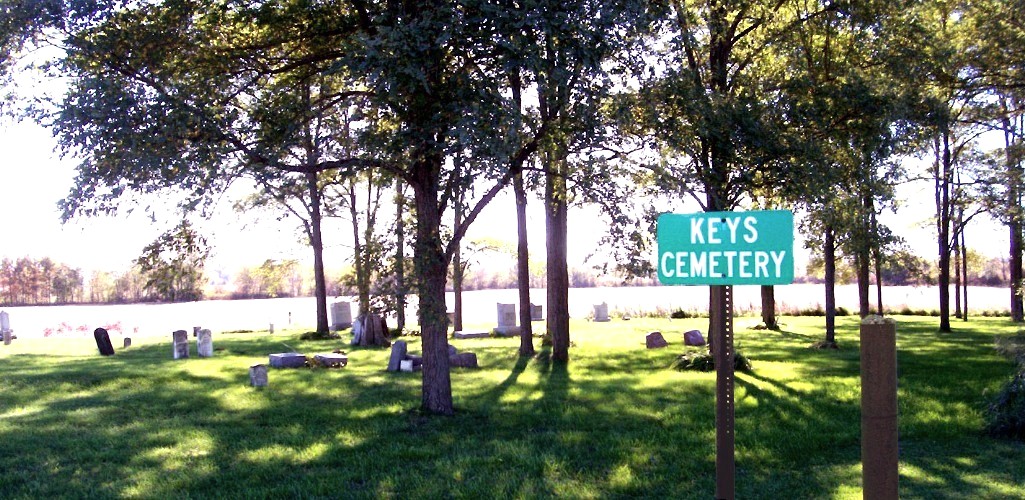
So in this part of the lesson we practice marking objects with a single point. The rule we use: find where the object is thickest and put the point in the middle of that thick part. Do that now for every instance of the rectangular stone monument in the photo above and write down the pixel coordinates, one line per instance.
(601, 312)
(537, 312)
(205, 344)
(341, 315)
(507, 320)
(470, 335)
(398, 353)
(181, 344)
(195, 331)
(258, 376)
(406, 365)
(128, 342)
(287, 360)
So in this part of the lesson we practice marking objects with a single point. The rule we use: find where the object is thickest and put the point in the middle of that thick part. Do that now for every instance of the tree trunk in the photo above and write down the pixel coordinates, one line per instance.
(523, 268)
(1014, 222)
(829, 256)
(862, 264)
(558, 274)
(943, 231)
(957, 276)
(317, 242)
(400, 257)
(429, 261)
(964, 269)
(358, 257)
(457, 266)
(769, 307)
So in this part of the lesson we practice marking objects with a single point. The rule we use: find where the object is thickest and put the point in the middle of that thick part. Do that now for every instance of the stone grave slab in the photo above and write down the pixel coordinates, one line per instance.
(463, 360)
(470, 335)
(507, 320)
(537, 312)
(332, 360)
(287, 360)
(341, 315)
(398, 353)
(128, 342)
(601, 312)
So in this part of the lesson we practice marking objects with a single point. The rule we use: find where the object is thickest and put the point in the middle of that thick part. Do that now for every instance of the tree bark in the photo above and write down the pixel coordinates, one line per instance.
(556, 206)
(957, 275)
(400, 257)
(829, 257)
(769, 307)
(317, 242)
(943, 231)
(1014, 220)
(358, 251)
(429, 261)
(457, 265)
(523, 268)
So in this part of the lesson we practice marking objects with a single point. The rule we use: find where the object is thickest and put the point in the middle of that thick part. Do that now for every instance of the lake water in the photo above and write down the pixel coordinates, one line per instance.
(479, 308)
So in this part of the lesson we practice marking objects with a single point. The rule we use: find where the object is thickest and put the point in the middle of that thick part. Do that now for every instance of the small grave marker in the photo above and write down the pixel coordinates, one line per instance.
(205, 344)
(181, 344)
(5, 327)
(398, 353)
(341, 315)
(601, 312)
(258, 376)
(287, 360)
(655, 340)
(103, 342)
(537, 312)
(128, 342)
(507, 320)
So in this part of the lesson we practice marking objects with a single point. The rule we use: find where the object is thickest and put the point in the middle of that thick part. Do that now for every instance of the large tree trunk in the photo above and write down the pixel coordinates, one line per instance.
(769, 307)
(523, 268)
(400, 257)
(317, 242)
(964, 266)
(829, 256)
(957, 276)
(862, 265)
(556, 206)
(943, 230)
(431, 267)
(1014, 222)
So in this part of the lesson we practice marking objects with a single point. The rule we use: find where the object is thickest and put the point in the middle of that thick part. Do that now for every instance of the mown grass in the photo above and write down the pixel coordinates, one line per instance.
(615, 422)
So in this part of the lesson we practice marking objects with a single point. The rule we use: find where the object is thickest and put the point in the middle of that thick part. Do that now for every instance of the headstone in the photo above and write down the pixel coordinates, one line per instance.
(452, 350)
(357, 331)
(601, 312)
(537, 312)
(258, 375)
(128, 342)
(195, 331)
(271, 329)
(5, 327)
(332, 360)
(693, 337)
(398, 353)
(406, 365)
(341, 315)
(470, 335)
(507, 320)
(205, 344)
(655, 340)
(181, 344)
(287, 360)
(103, 342)
(463, 360)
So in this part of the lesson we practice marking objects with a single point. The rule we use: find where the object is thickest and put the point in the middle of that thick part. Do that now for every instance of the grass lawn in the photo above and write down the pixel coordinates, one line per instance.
(615, 422)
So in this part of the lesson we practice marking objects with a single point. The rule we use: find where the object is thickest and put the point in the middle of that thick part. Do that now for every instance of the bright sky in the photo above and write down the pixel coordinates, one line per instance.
(33, 178)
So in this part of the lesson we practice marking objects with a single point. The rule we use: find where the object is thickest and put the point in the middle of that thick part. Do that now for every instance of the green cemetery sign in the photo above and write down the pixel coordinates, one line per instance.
(726, 248)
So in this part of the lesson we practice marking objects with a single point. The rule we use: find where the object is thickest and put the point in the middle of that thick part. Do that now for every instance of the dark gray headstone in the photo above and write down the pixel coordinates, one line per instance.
(103, 341)
(655, 340)
(463, 360)
(181, 344)
(693, 337)
(287, 360)
(452, 350)
(258, 376)
(398, 353)
(128, 342)
(195, 331)
(537, 312)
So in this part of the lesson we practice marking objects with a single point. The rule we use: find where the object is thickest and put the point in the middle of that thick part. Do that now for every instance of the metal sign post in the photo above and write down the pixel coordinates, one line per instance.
(722, 249)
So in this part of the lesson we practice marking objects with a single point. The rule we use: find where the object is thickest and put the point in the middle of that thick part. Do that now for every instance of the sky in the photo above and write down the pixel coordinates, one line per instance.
(33, 178)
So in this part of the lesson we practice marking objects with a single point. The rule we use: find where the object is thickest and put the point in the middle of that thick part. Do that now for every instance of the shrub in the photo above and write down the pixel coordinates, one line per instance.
(679, 314)
(703, 361)
(1005, 417)
(842, 311)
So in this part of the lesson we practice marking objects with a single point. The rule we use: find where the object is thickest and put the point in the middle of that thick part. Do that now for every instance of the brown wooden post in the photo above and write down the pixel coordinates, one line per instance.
(879, 452)
(722, 331)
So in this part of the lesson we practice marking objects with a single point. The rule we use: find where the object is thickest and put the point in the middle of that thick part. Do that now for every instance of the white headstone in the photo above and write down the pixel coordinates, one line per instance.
(601, 312)
(341, 315)
(205, 344)
(5, 322)
(406, 365)
(258, 375)
(507, 320)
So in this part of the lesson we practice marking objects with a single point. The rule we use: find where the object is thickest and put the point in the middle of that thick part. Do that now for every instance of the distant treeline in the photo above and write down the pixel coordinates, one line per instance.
(27, 281)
